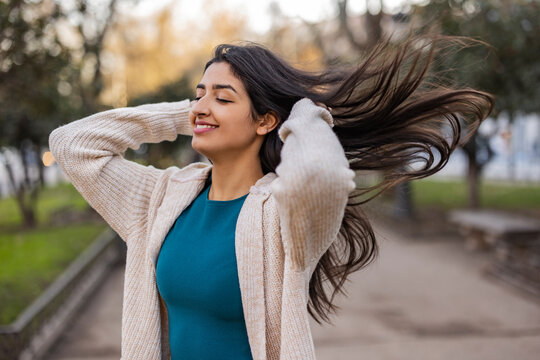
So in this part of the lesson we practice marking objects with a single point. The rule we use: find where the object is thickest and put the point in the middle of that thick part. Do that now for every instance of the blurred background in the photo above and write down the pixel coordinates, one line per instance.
(459, 268)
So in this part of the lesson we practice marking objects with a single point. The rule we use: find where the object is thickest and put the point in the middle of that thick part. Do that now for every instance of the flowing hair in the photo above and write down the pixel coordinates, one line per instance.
(392, 113)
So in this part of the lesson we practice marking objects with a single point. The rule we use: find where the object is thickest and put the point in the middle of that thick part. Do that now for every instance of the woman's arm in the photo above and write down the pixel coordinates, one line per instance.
(313, 184)
(90, 151)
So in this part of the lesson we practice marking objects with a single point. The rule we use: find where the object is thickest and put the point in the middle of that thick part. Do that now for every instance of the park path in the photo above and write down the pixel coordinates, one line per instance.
(424, 298)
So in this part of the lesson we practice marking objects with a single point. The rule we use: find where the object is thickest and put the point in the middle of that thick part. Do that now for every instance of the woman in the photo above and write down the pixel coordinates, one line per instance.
(227, 260)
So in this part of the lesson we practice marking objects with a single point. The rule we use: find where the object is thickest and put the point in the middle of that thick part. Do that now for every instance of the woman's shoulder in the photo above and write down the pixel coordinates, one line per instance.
(262, 186)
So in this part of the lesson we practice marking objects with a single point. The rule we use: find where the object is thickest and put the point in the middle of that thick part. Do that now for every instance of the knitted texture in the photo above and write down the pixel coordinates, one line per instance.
(287, 221)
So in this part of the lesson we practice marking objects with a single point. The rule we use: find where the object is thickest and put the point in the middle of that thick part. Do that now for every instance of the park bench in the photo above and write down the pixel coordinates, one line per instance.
(485, 228)
(515, 241)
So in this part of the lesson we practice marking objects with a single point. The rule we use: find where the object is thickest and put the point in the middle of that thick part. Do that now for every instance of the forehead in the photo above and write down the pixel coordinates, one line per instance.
(220, 73)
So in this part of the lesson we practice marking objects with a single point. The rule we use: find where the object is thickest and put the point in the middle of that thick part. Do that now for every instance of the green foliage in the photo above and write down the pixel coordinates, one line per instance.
(35, 68)
(510, 70)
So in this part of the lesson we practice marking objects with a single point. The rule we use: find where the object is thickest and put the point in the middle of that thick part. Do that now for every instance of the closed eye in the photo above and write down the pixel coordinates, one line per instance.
(218, 99)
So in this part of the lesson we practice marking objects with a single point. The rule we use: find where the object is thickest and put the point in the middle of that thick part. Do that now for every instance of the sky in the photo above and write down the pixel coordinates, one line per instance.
(257, 10)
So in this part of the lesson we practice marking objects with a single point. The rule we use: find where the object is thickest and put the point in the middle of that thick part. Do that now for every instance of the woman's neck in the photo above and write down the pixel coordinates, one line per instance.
(233, 180)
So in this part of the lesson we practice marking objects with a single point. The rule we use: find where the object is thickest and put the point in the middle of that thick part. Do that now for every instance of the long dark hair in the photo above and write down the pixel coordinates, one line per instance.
(390, 113)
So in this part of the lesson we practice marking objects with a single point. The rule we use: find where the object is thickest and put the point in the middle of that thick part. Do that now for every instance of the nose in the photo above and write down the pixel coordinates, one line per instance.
(200, 107)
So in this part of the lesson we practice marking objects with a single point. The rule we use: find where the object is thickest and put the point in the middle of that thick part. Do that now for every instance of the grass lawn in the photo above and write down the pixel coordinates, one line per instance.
(452, 194)
(32, 259)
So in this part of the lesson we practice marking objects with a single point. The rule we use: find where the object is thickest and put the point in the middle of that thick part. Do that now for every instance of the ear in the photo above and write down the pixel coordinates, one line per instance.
(267, 123)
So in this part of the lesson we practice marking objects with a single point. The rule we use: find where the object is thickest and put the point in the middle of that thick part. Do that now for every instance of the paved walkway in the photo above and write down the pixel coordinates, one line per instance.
(96, 333)
(429, 299)
(422, 299)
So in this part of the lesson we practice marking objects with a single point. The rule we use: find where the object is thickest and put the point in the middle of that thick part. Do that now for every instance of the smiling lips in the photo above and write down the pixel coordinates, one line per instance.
(202, 128)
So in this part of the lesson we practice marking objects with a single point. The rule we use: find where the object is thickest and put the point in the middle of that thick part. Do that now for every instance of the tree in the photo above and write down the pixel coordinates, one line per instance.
(372, 26)
(90, 24)
(45, 81)
(34, 75)
(510, 69)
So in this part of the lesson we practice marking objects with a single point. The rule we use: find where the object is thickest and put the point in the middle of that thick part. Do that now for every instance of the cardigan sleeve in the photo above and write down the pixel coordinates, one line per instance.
(91, 150)
(313, 183)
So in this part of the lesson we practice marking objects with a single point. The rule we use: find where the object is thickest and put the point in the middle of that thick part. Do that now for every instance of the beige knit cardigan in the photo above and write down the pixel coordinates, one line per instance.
(287, 221)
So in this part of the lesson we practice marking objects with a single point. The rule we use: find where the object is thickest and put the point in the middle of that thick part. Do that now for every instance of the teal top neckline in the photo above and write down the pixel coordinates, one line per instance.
(217, 202)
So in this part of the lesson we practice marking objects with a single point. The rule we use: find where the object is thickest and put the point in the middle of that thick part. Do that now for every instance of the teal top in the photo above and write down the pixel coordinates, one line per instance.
(197, 277)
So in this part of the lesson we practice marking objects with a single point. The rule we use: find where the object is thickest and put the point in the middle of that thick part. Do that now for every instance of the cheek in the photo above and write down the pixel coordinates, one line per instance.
(245, 128)
(235, 120)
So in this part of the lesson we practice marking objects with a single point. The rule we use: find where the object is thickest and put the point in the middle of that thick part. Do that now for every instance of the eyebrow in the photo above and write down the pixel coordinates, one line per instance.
(217, 87)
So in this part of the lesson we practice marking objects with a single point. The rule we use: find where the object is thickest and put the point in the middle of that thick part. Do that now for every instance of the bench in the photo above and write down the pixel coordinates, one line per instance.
(514, 239)
(486, 228)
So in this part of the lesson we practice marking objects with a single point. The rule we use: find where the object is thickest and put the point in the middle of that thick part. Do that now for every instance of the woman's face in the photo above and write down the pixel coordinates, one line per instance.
(222, 100)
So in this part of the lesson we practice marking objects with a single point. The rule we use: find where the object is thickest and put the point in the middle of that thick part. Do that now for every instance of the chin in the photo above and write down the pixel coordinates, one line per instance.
(202, 150)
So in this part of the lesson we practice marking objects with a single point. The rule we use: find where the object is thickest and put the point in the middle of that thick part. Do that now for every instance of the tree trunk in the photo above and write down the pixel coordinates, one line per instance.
(40, 165)
(473, 180)
(27, 211)
(29, 217)
(474, 170)
(512, 157)
(24, 159)
(403, 207)
(372, 27)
